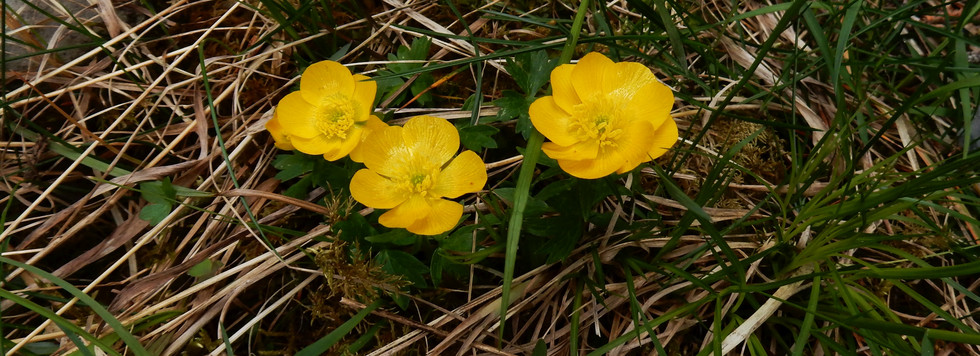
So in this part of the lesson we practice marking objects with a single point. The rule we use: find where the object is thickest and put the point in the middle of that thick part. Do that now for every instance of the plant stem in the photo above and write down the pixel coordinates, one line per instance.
(531, 154)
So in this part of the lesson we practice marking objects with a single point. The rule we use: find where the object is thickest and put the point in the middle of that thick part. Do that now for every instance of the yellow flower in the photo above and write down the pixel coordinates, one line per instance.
(411, 169)
(373, 124)
(329, 112)
(604, 117)
(275, 129)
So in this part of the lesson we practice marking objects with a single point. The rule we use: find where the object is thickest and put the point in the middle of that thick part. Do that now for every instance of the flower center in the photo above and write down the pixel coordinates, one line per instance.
(335, 116)
(599, 120)
(420, 183)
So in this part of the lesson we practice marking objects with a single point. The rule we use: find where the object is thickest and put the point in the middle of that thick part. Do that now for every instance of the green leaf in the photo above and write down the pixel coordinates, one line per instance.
(460, 240)
(206, 268)
(300, 189)
(565, 232)
(161, 195)
(535, 207)
(331, 175)
(540, 349)
(398, 237)
(292, 165)
(401, 263)
(159, 192)
(512, 105)
(436, 266)
(478, 137)
(530, 70)
(155, 213)
(418, 51)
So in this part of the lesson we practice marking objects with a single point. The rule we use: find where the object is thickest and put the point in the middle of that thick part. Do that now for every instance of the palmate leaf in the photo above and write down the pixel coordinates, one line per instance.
(531, 70)
(478, 137)
(401, 263)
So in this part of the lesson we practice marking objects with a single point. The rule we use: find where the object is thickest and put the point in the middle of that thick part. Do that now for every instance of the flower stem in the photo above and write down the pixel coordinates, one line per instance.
(522, 192)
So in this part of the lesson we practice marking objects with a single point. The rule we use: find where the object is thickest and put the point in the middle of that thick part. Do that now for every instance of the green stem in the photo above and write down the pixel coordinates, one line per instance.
(531, 154)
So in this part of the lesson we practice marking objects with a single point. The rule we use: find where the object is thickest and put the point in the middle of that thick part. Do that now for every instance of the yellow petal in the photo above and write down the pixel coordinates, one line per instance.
(443, 217)
(364, 91)
(296, 116)
(626, 78)
(589, 76)
(465, 174)
(561, 87)
(651, 102)
(373, 124)
(315, 146)
(346, 145)
(385, 153)
(582, 150)
(407, 213)
(633, 146)
(664, 138)
(325, 78)
(432, 139)
(592, 168)
(375, 191)
(275, 130)
(551, 120)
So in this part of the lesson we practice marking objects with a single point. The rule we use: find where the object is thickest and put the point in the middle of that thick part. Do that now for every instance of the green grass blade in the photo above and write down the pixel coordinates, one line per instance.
(321, 346)
(62, 323)
(106, 316)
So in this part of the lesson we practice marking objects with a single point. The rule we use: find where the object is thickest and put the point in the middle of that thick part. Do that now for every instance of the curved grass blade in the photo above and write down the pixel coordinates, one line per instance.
(321, 346)
(62, 323)
(107, 317)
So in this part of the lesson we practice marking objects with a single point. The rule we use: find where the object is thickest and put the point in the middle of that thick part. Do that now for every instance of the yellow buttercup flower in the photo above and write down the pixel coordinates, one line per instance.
(373, 124)
(275, 129)
(604, 117)
(411, 169)
(329, 112)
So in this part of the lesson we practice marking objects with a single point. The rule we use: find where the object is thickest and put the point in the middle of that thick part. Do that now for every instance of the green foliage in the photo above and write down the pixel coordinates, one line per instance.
(404, 60)
(404, 264)
(162, 195)
(478, 137)
(531, 71)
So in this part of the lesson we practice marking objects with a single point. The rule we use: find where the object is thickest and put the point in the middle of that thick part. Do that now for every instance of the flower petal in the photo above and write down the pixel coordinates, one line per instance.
(443, 217)
(651, 102)
(591, 168)
(375, 191)
(634, 146)
(345, 146)
(582, 150)
(296, 116)
(626, 78)
(372, 125)
(364, 91)
(465, 174)
(589, 76)
(385, 153)
(407, 213)
(275, 130)
(664, 138)
(431, 139)
(315, 146)
(551, 120)
(325, 78)
(561, 87)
